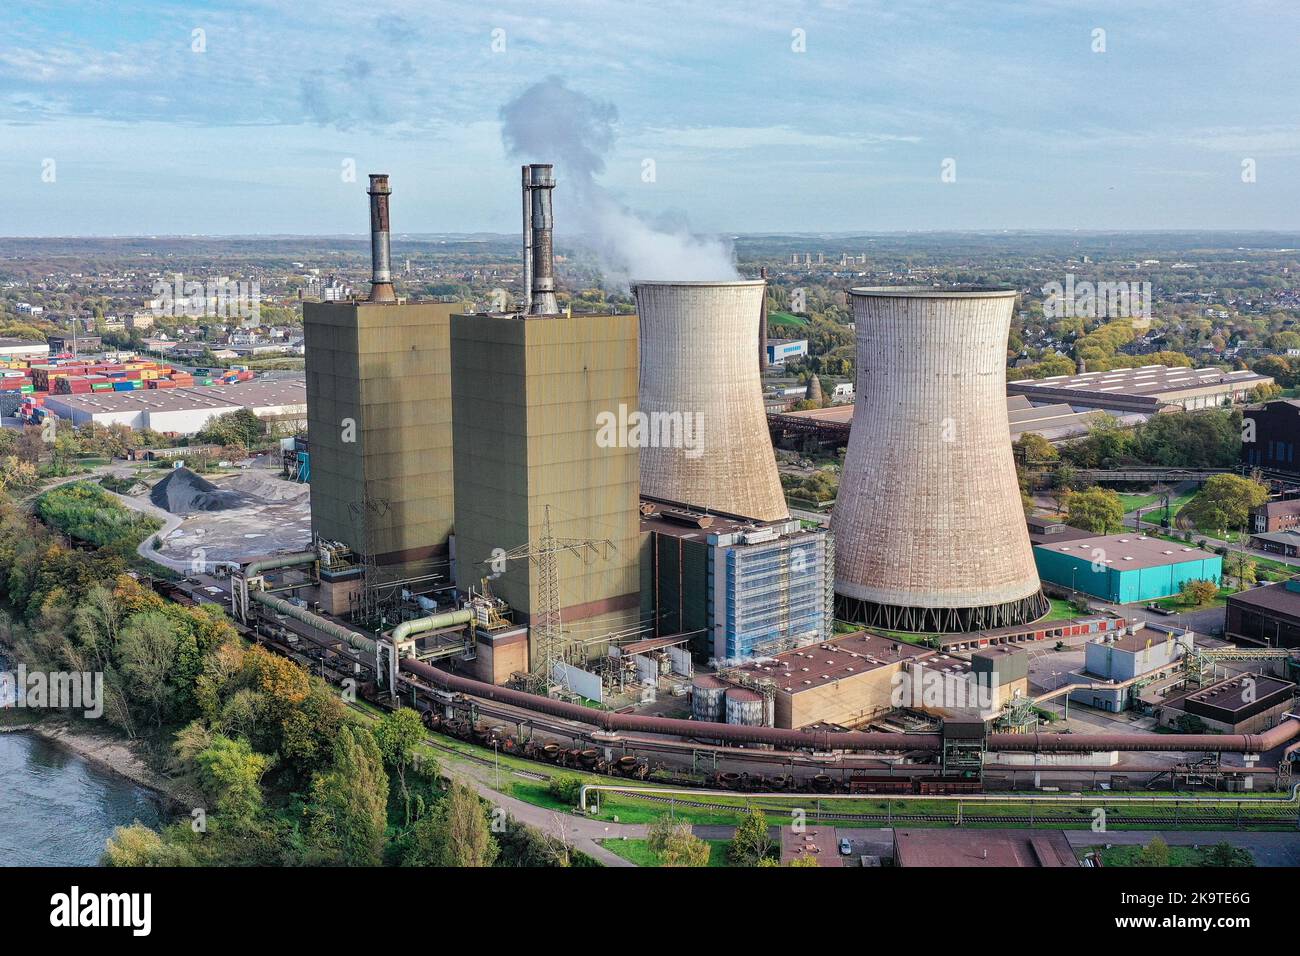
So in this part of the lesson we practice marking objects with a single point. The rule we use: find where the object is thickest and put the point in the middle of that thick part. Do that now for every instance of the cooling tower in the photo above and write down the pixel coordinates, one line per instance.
(929, 529)
(706, 441)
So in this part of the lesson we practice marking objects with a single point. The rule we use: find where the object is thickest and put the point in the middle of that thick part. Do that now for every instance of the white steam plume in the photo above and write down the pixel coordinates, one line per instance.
(551, 123)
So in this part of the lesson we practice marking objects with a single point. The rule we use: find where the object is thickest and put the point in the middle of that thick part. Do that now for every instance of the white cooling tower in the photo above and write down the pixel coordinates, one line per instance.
(700, 376)
(929, 528)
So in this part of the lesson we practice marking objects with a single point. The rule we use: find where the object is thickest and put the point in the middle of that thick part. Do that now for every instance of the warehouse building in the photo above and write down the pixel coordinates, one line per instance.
(1241, 704)
(1268, 616)
(23, 349)
(742, 588)
(1270, 436)
(1123, 568)
(1145, 390)
(846, 681)
(184, 411)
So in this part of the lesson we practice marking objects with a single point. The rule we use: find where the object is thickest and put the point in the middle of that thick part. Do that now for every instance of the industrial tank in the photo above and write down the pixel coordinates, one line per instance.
(746, 707)
(708, 698)
(929, 528)
(708, 443)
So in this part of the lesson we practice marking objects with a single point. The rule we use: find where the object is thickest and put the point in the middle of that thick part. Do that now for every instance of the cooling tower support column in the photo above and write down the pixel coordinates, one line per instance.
(539, 253)
(929, 528)
(706, 443)
(381, 276)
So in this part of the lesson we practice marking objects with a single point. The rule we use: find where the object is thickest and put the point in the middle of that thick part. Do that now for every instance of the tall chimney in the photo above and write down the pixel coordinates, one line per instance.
(539, 254)
(381, 276)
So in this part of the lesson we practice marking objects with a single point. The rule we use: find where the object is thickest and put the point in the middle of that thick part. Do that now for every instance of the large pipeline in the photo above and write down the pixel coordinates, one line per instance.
(359, 641)
(824, 740)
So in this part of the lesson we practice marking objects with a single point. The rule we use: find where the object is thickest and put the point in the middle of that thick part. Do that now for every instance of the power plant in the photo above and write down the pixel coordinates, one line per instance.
(707, 442)
(929, 527)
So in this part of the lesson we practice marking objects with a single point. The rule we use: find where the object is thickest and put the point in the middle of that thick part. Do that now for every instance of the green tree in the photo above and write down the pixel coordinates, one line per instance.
(230, 773)
(752, 842)
(1224, 853)
(1097, 510)
(137, 846)
(397, 734)
(147, 652)
(456, 833)
(347, 813)
(1223, 504)
(1155, 853)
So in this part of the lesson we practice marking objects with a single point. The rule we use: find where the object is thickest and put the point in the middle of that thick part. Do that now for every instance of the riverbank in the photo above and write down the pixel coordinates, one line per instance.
(108, 751)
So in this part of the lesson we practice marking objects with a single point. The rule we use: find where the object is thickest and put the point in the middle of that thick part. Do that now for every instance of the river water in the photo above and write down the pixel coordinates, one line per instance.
(56, 808)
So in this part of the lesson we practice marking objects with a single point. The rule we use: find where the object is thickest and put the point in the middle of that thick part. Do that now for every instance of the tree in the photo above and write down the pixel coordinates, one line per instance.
(1198, 593)
(1155, 853)
(804, 861)
(1224, 853)
(675, 845)
(1032, 447)
(137, 846)
(347, 811)
(397, 735)
(147, 652)
(456, 833)
(230, 773)
(752, 841)
(1064, 481)
(1097, 510)
(1224, 503)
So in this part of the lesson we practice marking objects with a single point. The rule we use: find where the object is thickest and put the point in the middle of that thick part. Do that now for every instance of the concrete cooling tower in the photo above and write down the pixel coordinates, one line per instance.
(929, 529)
(700, 382)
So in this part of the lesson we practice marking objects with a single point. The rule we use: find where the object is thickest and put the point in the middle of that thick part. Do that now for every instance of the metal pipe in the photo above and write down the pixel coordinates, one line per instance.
(824, 740)
(381, 276)
(280, 561)
(539, 253)
(431, 623)
(359, 641)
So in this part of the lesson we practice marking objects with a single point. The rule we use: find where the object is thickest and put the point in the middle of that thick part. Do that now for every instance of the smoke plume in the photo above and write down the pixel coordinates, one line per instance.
(551, 123)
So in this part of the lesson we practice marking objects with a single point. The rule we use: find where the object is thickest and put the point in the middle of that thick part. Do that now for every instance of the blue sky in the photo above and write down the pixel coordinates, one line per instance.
(747, 135)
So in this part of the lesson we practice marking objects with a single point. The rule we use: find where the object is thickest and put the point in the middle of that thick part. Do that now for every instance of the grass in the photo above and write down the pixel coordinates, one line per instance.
(1181, 856)
(787, 319)
(1132, 502)
(639, 852)
(1062, 611)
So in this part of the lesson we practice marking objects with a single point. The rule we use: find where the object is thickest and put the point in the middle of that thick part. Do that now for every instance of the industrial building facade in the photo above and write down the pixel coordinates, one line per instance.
(1144, 389)
(742, 588)
(1270, 437)
(1123, 568)
(1268, 616)
(526, 393)
(379, 423)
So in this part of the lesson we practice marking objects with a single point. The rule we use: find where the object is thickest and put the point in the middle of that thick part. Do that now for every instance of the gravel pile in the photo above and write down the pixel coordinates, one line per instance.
(183, 492)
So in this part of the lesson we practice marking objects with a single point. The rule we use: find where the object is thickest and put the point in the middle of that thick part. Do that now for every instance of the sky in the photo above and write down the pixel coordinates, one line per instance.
(243, 118)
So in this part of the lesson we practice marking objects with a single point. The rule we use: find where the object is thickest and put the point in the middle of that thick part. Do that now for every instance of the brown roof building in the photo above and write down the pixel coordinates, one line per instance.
(982, 848)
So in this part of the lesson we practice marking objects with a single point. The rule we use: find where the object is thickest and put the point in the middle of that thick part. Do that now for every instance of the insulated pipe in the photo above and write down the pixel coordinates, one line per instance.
(850, 739)
(359, 641)
(280, 561)
(432, 623)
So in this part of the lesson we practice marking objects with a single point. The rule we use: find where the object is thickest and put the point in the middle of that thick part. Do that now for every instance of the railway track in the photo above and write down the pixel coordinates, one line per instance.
(484, 761)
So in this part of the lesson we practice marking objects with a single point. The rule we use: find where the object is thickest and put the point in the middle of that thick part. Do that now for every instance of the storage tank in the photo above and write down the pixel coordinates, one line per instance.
(708, 444)
(929, 529)
(708, 696)
(746, 707)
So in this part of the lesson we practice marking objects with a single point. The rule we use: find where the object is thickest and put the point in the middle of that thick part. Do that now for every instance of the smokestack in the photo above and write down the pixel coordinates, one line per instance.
(381, 277)
(539, 254)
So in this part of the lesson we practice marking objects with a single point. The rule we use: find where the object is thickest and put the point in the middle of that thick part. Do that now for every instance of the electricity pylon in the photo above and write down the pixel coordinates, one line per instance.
(543, 553)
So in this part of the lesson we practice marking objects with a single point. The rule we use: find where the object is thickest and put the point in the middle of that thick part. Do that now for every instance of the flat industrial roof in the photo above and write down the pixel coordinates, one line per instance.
(815, 665)
(821, 843)
(1230, 694)
(1126, 552)
(1270, 597)
(221, 397)
(1143, 638)
(982, 848)
(1148, 380)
